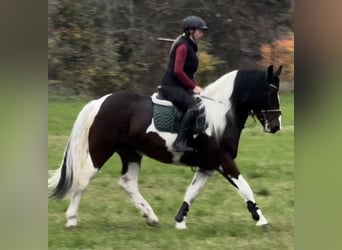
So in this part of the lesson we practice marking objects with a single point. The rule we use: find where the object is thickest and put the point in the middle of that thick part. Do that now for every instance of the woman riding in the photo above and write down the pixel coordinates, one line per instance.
(178, 84)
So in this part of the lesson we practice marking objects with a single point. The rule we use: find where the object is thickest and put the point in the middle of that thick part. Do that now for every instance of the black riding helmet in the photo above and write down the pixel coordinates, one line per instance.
(194, 22)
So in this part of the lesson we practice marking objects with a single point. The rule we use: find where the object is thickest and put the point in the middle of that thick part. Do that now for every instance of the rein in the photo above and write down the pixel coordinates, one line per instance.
(211, 99)
(222, 102)
(270, 110)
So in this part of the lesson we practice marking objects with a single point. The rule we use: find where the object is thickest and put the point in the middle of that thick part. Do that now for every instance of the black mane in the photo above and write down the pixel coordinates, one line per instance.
(248, 93)
(249, 89)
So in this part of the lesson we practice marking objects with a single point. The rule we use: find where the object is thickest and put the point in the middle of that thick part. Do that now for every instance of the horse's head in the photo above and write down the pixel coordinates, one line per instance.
(269, 114)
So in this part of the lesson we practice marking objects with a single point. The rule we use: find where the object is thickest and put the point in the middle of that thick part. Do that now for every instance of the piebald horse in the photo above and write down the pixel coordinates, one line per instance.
(123, 123)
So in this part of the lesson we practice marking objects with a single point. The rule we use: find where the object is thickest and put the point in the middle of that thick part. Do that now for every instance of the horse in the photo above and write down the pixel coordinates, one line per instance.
(123, 123)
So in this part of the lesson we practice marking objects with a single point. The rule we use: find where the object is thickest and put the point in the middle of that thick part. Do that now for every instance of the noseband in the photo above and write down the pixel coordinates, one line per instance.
(264, 113)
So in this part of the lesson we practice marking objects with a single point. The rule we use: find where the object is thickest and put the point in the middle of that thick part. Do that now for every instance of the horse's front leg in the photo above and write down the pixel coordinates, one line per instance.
(229, 170)
(198, 181)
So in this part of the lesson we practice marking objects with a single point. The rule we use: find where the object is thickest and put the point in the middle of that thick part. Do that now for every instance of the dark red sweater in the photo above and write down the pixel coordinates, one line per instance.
(180, 57)
(183, 64)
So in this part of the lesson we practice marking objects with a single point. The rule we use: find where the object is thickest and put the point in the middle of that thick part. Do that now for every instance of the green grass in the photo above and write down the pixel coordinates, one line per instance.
(218, 218)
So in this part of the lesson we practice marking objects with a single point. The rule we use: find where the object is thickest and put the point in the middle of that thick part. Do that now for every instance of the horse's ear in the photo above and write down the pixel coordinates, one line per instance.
(277, 73)
(270, 72)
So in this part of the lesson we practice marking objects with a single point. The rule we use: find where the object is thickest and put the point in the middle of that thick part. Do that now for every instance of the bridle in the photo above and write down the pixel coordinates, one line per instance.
(273, 86)
(263, 114)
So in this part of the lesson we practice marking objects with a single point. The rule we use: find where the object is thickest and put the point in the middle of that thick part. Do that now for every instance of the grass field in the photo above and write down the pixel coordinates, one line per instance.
(218, 218)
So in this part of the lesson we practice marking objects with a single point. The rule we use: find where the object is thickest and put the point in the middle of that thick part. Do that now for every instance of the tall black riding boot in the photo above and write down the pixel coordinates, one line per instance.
(180, 144)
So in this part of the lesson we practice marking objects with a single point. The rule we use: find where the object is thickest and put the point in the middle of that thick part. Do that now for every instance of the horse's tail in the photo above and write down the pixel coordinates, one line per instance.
(76, 154)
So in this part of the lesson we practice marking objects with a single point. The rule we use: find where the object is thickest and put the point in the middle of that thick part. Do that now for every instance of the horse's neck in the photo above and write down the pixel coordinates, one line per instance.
(222, 88)
(231, 136)
(237, 118)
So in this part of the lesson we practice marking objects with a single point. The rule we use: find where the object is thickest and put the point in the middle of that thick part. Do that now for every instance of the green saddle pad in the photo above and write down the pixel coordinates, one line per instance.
(168, 119)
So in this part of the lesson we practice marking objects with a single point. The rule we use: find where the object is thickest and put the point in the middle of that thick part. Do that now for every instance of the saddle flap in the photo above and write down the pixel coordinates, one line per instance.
(168, 118)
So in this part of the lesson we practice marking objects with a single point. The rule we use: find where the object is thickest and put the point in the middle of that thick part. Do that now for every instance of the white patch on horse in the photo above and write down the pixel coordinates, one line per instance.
(244, 189)
(181, 225)
(169, 139)
(280, 115)
(129, 182)
(198, 181)
(262, 220)
(219, 104)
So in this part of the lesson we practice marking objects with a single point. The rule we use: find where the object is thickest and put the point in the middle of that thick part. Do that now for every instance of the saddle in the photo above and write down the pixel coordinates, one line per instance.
(167, 118)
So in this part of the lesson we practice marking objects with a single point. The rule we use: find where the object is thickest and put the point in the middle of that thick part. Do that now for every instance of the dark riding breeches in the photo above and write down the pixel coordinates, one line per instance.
(180, 97)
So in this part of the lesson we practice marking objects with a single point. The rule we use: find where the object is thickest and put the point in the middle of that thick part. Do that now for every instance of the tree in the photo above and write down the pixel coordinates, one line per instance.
(100, 46)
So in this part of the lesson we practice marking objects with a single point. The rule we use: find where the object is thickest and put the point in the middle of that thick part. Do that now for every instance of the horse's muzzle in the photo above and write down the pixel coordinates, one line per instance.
(275, 129)
(271, 128)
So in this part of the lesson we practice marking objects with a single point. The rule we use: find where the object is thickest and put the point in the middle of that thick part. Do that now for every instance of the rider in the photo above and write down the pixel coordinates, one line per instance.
(178, 84)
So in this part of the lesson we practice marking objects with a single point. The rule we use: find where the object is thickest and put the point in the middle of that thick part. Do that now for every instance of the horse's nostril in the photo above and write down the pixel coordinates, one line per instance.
(275, 129)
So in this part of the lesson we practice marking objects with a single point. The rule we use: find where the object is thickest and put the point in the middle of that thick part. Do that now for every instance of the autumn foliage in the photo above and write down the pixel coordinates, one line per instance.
(98, 47)
(280, 52)
(207, 65)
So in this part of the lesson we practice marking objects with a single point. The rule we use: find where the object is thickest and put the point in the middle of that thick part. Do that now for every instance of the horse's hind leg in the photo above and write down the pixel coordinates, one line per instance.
(229, 170)
(129, 182)
(199, 180)
(87, 173)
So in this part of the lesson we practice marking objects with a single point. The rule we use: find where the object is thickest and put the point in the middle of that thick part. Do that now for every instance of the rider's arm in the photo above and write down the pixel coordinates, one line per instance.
(180, 57)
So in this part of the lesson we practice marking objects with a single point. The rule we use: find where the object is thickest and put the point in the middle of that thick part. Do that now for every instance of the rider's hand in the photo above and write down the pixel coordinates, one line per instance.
(197, 90)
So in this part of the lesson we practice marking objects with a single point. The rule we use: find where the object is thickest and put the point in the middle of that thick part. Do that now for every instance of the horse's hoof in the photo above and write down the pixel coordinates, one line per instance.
(71, 223)
(152, 223)
(262, 221)
(265, 227)
(71, 226)
(180, 225)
